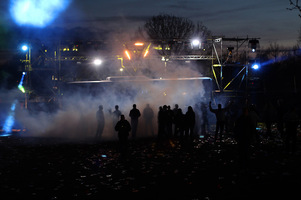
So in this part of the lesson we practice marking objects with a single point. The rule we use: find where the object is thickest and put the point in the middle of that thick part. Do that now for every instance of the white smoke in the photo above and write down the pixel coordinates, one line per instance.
(76, 117)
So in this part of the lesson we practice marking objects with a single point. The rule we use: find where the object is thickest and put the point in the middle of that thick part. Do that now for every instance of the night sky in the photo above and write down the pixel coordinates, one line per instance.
(267, 19)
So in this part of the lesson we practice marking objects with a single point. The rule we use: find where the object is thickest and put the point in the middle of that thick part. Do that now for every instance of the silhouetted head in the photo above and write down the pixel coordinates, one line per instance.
(219, 106)
(252, 107)
(176, 106)
(134, 105)
(116, 107)
(245, 111)
(100, 107)
(122, 117)
(190, 108)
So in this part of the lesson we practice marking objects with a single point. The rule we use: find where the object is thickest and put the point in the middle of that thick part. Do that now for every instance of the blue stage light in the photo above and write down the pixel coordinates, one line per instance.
(10, 120)
(38, 13)
(255, 66)
(20, 86)
(24, 47)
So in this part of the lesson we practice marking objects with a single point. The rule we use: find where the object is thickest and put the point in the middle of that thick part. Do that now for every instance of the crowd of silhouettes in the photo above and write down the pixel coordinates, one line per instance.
(240, 120)
(174, 119)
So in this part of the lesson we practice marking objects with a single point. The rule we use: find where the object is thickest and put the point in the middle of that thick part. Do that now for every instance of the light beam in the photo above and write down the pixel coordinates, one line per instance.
(10, 120)
(38, 13)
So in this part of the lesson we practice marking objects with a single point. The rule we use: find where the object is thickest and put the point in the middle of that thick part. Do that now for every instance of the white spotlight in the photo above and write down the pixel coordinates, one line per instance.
(97, 62)
(24, 47)
(196, 42)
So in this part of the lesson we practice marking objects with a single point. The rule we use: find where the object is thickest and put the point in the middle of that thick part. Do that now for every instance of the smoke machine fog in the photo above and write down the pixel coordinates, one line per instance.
(76, 117)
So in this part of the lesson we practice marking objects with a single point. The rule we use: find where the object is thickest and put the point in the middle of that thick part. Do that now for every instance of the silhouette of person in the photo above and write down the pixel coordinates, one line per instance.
(161, 122)
(291, 120)
(205, 122)
(228, 118)
(100, 122)
(243, 131)
(220, 118)
(280, 115)
(198, 119)
(175, 121)
(180, 120)
(134, 115)
(116, 115)
(254, 119)
(169, 120)
(190, 121)
(148, 115)
(269, 115)
(123, 128)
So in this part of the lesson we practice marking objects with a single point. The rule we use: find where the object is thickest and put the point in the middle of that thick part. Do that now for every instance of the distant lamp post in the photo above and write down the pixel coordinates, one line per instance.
(121, 71)
(26, 48)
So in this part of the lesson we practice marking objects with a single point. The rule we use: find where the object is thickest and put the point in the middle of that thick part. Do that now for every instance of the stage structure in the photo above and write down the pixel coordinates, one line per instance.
(231, 63)
(139, 55)
(228, 60)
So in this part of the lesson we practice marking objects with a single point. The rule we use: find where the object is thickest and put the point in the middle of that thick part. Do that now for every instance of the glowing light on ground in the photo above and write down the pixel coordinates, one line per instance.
(39, 13)
(10, 120)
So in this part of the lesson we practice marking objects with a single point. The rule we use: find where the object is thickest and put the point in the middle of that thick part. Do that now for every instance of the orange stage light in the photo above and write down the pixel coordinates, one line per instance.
(128, 54)
(139, 44)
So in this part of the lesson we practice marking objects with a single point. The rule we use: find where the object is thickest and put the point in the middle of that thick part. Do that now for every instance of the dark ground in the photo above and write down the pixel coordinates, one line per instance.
(52, 168)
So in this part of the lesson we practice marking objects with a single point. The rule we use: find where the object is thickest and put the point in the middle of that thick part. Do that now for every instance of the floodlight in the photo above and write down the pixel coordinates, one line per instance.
(97, 62)
(195, 42)
(139, 44)
(255, 66)
(24, 47)
(127, 54)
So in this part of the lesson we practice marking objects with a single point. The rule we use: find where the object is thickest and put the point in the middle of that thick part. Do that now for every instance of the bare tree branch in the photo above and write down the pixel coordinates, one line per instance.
(173, 33)
(295, 6)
